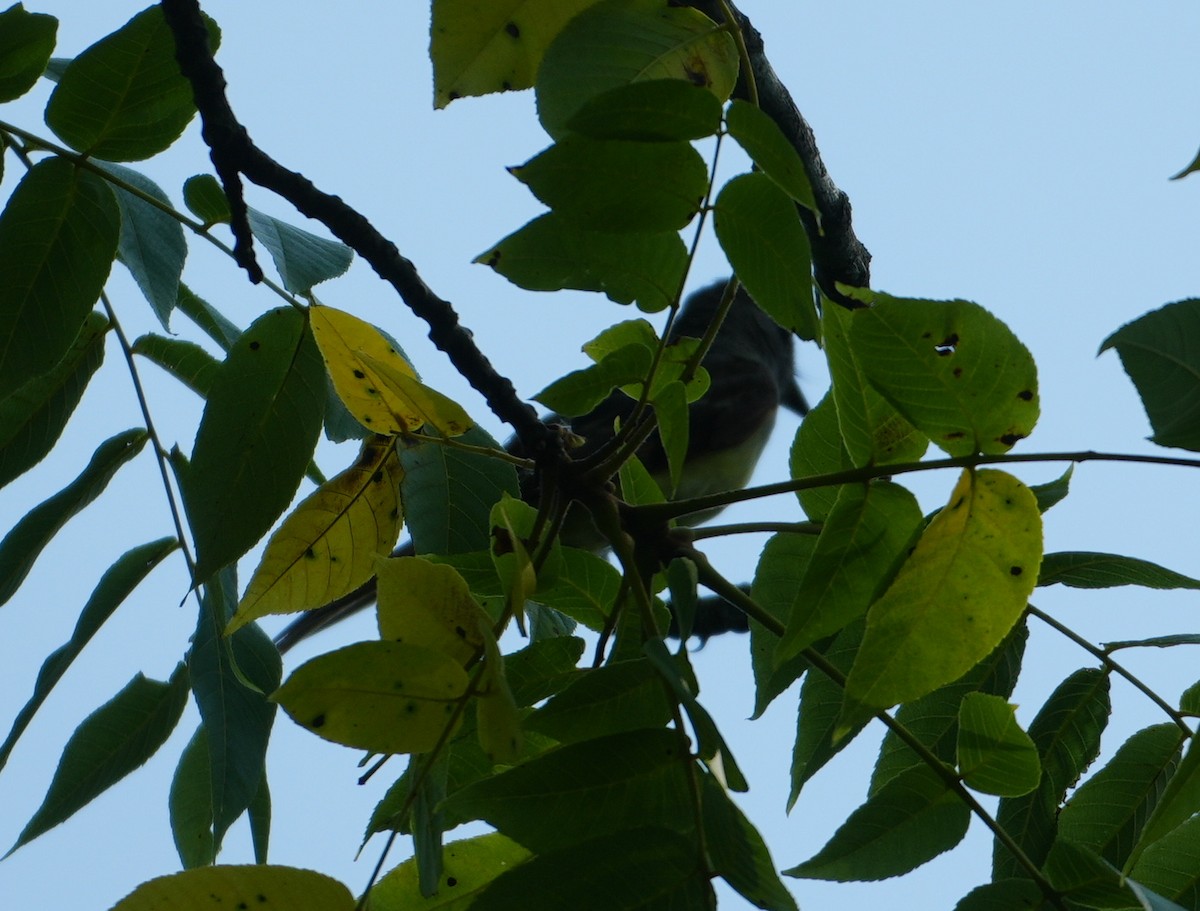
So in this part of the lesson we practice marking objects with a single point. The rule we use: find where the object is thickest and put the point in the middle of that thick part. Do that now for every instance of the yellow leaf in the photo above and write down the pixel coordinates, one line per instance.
(328, 545)
(961, 590)
(257, 886)
(511, 558)
(468, 867)
(430, 605)
(413, 401)
(345, 342)
(387, 697)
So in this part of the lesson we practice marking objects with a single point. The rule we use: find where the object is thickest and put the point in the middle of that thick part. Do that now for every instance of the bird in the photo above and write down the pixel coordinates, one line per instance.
(751, 365)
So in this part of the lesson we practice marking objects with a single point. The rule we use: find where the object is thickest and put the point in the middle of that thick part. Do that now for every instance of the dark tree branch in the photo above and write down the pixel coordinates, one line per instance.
(838, 254)
(234, 154)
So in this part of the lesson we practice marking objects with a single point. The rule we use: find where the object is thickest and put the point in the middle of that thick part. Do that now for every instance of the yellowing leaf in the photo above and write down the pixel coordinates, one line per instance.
(387, 697)
(958, 594)
(417, 404)
(468, 867)
(496, 715)
(257, 886)
(328, 545)
(345, 341)
(481, 48)
(430, 605)
(510, 517)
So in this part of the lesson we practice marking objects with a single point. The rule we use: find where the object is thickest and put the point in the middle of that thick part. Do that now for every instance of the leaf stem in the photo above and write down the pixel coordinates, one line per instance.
(1107, 661)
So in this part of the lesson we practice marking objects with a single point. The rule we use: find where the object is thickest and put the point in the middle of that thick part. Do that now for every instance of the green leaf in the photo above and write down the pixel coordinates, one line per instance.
(265, 888)
(469, 867)
(819, 709)
(818, 449)
(230, 678)
(259, 815)
(1193, 165)
(58, 236)
(1080, 569)
(481, 49)
(448, 493)
(1067, 734)
(186, 361)
(1083, 877)
(784, 560)
(635, 869)
(994, 755)
(656, 110)
(205, 199)
(257, 435)
(1178, 803)
(124, 99)
(584, 587)
(866, 536)
(584, 790)
(964, 586)
(933, 719)
(1161, 353)
(951, 368)
(111, 742)
(207, 317)
(615, 185)
(738, 853)
(152, 245)
(1154, 642)
(872, 432)
(190, 804)
(616, 42)
(582, 390)
(542, 668)
(671, 410)
(1053, 492)
(302, 258)
(118, 581)
(387, 697)
(768, 248)
(33, 417)
(618, 697)
(1107, 812)
(1002, 895)
(552, 252)
(911, 820)
(22, 545)
(26, 42)
(766, 145)
(710, 745)
(1171, 865)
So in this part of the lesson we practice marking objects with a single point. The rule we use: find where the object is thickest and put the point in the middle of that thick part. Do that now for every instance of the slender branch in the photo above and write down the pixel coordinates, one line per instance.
(1106, 659)
(745, 528)
(838, 255)
(234, 154)
(662, 512)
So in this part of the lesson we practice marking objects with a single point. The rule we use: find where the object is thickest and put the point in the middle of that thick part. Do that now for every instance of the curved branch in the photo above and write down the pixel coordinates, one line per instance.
(234, 154)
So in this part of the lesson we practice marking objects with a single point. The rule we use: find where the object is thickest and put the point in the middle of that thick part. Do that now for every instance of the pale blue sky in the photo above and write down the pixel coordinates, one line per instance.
(1016, 155)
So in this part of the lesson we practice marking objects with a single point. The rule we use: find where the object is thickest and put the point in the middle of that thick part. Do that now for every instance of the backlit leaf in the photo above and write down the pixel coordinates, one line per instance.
(262, 887)
(994, 755)
(328, 545)
(387, 697)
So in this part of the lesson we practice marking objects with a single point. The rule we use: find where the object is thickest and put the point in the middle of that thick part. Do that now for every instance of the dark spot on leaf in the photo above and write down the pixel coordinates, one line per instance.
(310, 554)
(394, 514)
(947, 346)
(451, 881)
(397, 684)
(358, 374)
(377, 477)
(501, 541)
(957, 372)
(334, 558)
(453, 95)
(1025, 395)
(371, 390)
(460, 632)
(926, 335)
(260, 898)
(493, 259)
(411, 708)
(254, 346)
(1010, 439)
(506, 86)
(318, 721)
(1015, 570)
(955, 435)
(366, 419)
(241, 906)
(511, 29)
